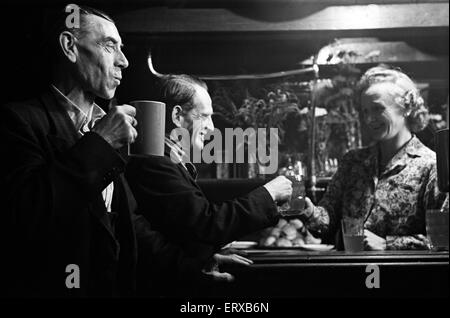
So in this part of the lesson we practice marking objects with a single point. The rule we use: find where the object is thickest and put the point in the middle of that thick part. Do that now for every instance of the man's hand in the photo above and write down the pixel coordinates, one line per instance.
(232, 259)
(218, 276)
(219, 259)
(279, 188)
(117, 126)
(373, 242)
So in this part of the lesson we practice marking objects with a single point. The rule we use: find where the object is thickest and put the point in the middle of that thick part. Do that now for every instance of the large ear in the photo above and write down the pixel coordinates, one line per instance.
(177, 113)
(67, 44)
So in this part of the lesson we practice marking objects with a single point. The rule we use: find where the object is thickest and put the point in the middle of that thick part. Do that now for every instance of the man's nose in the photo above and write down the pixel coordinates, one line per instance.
(122, 61)
(209, 126)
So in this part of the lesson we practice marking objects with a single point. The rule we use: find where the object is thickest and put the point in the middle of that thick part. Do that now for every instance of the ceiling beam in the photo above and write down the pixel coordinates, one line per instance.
(163, 20)
(105, 4)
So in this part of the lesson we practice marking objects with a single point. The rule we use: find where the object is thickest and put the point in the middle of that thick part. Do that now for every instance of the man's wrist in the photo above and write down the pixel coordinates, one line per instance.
(103, 137)
(272, 195)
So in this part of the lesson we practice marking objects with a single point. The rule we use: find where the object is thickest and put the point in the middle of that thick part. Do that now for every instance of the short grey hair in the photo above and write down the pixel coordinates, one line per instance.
(410, 101)
(178, 89)
(58, 25)
(86, 11)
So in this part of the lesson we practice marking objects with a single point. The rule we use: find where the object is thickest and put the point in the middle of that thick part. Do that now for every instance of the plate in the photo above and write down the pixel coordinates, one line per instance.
(241, 244)
(317, 247)
(304, 247)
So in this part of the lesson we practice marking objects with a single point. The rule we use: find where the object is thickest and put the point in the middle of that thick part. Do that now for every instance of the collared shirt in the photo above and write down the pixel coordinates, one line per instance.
(83, 123)
(178, 155)
(392, 201)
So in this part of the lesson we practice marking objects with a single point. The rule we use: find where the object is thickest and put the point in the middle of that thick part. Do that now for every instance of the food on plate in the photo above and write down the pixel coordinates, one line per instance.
(289, 231)
(298, 241)
(268, 241)
(287, 234)
(296, 223)
(283, 242)
(281, 223)
(310, 239)
(275, 232)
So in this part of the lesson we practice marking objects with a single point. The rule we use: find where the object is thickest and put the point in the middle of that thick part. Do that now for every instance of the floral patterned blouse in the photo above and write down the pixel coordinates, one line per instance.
(392, 201)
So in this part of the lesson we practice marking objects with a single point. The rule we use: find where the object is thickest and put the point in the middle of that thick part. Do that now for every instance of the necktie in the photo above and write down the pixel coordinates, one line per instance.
(191, 169)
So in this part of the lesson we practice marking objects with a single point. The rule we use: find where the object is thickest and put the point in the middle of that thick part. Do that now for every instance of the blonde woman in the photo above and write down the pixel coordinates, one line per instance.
(392, 183)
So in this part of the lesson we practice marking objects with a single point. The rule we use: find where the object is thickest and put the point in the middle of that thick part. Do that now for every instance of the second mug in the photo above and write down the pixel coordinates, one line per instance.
(151, 119)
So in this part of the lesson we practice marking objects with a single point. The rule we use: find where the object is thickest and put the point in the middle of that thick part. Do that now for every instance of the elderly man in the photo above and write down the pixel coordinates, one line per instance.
(67, 215)
(165, 187)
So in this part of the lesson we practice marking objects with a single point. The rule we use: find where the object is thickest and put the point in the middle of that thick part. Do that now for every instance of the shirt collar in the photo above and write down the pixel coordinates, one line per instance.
(82, 121)
(415, 148)
(412, 149)
(177, 154)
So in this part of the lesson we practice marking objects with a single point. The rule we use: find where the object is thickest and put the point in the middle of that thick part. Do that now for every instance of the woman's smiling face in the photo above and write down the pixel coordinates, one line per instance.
(381, 112)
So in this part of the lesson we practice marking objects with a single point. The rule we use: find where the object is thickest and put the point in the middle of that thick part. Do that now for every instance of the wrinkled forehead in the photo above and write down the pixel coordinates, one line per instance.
(202, 100)
(384, 93)
(99, 28)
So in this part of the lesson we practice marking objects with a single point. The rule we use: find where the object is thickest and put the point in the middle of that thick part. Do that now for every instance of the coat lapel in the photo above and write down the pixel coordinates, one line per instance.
(61, 127)
(184, 171)
(62, 136)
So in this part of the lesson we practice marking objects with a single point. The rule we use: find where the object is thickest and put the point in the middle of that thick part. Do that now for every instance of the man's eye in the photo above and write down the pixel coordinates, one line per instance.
(110, 48)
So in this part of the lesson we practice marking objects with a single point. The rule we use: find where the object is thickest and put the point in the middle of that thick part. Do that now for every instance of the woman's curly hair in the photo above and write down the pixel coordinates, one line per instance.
(409, 100)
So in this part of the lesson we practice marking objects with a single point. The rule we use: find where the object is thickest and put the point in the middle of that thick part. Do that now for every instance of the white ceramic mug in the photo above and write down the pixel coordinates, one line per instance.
(151, 119)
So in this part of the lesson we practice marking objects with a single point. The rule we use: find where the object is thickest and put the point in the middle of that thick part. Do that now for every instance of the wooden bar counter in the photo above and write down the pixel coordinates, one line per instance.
(299, 273)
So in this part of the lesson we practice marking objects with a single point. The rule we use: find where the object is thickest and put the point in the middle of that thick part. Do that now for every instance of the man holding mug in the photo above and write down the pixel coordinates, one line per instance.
(166, 189)
(68, 215)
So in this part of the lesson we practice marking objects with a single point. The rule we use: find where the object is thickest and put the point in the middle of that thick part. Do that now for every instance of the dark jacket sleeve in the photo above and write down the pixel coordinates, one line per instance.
(158, 256)
(178, 207)
(45, 180)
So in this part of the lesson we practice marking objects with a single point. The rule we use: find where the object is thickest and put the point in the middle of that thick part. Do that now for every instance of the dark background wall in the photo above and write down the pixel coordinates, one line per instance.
(25, 69)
